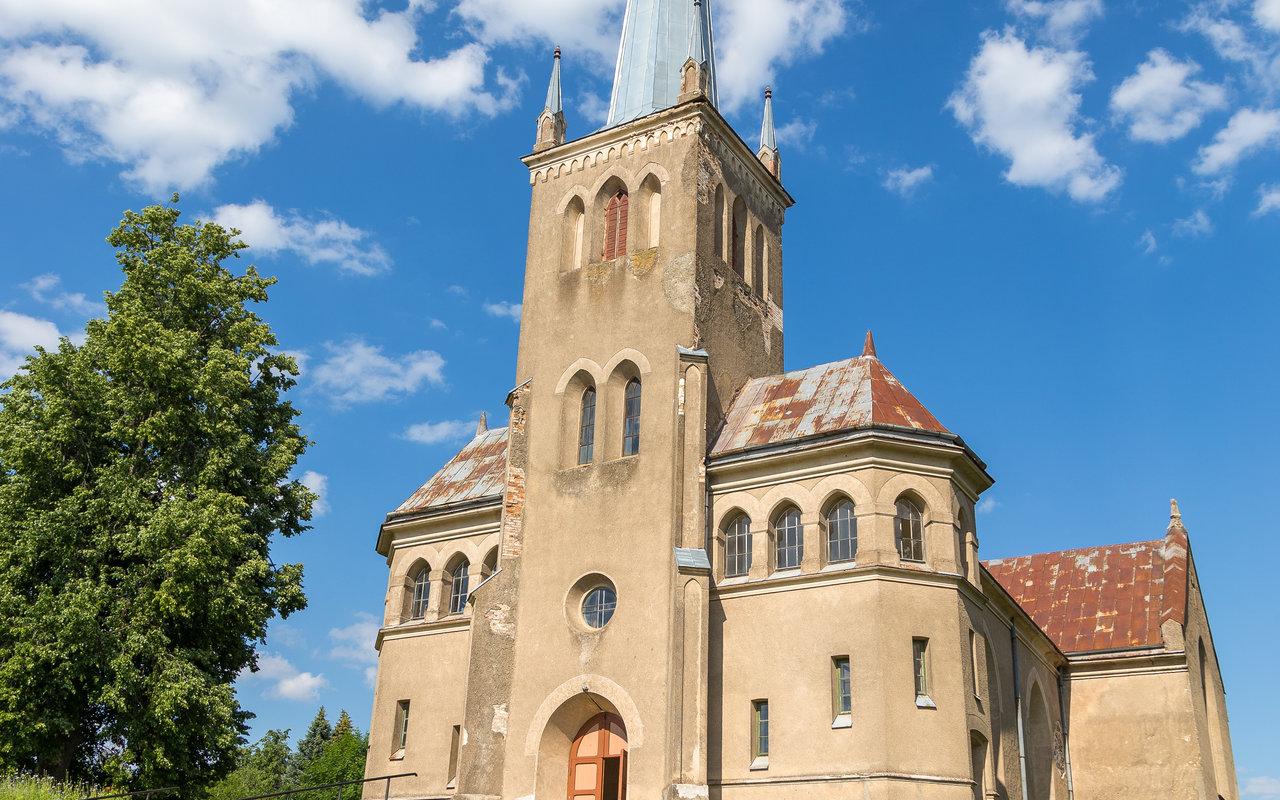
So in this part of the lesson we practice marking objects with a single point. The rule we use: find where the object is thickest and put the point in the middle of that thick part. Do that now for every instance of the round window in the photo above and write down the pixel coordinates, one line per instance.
(598, 606)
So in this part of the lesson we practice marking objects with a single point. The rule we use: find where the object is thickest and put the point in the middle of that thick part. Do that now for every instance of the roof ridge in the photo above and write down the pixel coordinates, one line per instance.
(1159, 541)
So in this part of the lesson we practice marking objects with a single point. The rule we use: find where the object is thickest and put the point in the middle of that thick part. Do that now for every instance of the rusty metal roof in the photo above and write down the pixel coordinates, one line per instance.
(477, 472)
(831, 398)
(1102, 598)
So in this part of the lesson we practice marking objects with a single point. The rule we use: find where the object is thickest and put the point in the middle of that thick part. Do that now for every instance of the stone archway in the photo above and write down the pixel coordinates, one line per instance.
(598, 760)
(561, 726)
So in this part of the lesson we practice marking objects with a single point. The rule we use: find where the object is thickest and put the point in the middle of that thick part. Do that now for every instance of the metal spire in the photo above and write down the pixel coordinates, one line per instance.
(555, 98)
(768, 135)
(658, 37)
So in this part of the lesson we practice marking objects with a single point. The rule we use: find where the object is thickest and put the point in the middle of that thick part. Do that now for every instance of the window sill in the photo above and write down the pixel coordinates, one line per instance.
(842, 721)
(398, 755)
(761, 763)
(920, 562)
(786, 572)
(922, 701)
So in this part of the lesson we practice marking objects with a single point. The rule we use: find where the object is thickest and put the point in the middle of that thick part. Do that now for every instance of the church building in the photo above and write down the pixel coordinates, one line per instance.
(682, 572)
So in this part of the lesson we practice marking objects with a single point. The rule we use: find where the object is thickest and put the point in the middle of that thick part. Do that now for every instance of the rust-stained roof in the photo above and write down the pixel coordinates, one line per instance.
(477, 472)
(831, 398)
(1102, 598)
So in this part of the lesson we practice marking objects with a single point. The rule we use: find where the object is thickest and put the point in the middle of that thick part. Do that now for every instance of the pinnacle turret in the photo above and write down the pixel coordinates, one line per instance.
(551, 124)
(768, 153)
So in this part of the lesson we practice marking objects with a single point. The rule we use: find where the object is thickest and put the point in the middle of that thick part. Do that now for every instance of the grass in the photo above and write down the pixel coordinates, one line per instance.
(23, 787)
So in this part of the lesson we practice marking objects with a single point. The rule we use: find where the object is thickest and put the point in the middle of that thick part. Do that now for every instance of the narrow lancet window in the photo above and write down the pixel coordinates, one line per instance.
(587, 427)
(631, 420)
(842, 533)
(459, 584)
(421, 592)
(737, 547)
(616, 212)
(788, 536)
(910, 531)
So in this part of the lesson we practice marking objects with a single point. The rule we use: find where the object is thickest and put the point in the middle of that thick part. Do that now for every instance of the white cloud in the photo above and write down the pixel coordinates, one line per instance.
(1268, 200)
(44, 289)
(797, 133)
(286, 681)
(437, 324)
(455, 430)
(1195, 226)
(587, 29)
(988, 505)
(318, 241)
(319, 485)
(1063, 21)
(1267, 14)
(1233, 43)
(19, 336)
(1147, 242)
(1161, 103)
(1263, 788)
(357, 372)
(512, 311)
(370, 676)
(754, 38)
(905, 181)
(173, 90)
(353, 644)
(1248, 132)
(1024, 103)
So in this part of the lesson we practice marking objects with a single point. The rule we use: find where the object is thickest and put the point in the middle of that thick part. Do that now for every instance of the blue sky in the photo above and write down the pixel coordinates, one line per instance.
(1061, 219)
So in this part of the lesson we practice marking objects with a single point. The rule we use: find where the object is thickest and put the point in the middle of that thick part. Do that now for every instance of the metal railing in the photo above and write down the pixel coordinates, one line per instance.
(386, 790)
(144, 794)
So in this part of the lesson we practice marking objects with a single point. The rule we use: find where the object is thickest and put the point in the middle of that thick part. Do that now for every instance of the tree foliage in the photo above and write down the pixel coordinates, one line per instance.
(325, 755)
(142, 477)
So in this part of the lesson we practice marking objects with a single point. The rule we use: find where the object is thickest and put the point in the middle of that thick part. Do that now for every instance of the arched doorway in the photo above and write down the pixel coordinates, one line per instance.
(598, 760)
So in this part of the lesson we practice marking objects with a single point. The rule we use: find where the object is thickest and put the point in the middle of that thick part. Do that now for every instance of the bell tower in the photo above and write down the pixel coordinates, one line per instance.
(653, 291)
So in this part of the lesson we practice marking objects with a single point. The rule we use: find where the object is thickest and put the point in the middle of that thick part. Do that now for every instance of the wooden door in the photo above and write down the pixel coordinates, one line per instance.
(598, 760)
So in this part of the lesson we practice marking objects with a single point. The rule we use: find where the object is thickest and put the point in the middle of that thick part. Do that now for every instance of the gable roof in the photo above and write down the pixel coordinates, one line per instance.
(1102, 598)
(478, 471)
(845, 395)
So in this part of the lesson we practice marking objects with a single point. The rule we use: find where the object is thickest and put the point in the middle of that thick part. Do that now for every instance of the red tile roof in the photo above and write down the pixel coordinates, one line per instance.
(477, 472)
(1102, 598)
(831, 398)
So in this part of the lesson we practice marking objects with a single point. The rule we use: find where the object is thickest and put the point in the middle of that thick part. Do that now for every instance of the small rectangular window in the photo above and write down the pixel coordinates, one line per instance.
(841, 687)
(759, 729)
(453, 756)
(920, 657)
(401, 736)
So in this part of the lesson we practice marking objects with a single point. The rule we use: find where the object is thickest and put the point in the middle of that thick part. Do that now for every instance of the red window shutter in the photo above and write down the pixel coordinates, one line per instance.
(624, 209)
(615, 226)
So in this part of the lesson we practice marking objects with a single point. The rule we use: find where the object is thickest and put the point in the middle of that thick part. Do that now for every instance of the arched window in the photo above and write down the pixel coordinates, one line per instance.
(737, 547)
(421, 590)
(651, 196)
(962, 541)
(842, 532)
(573, 233)
(757, 261)
(490, 564)
(740, 238)
(788, 539)
(587, 427)
(459, 584)
(909, 530)
(616, 212)
(631, 419)
(717, 224)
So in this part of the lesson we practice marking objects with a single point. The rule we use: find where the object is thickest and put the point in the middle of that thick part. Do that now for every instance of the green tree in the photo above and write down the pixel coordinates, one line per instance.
(310, 747)
(262, 769)
(343, 759)
(142, 476)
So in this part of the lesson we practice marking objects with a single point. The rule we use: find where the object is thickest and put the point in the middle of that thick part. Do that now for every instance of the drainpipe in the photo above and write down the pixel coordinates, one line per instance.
(1017, 707)
(1066, 729)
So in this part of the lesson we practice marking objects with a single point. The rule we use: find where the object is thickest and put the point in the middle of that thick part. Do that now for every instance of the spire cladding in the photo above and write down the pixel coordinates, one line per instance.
(658, 37)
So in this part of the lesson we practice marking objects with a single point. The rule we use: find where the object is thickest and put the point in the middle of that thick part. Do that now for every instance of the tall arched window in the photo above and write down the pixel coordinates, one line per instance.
(651, 196)
(788, 539)
(421, 591)
(616, 212)
(631, 419)
(909, 530)
(740, 238)
(842, 532)
(737, 547)
(717, 224)
(587, 427)
(490, 564)
(459, 584)
(757, 261)
(573, 233)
